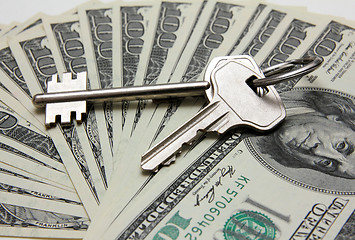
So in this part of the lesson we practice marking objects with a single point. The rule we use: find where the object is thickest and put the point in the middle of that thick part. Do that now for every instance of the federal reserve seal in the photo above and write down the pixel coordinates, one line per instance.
(314, 146)
(249, 225)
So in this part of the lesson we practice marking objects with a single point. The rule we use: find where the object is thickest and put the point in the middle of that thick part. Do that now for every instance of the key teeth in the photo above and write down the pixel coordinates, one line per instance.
(68, 83)
(67, 78)
(189, 143)
(78, 116)
(170, 160)
(65, 118)
(145, 163)
(50, 119)
(146, 166)
(51, 84)
(66, 110)
(82, 80)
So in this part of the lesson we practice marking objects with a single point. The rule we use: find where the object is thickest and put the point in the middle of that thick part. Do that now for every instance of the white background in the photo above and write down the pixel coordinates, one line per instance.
(21, 10)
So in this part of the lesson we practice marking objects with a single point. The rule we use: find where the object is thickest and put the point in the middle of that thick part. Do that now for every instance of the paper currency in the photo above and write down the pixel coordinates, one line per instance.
(214, 197)
(21, 182)
(16, 219)
(49, 197)
(12, 79)
(96, 29)
(308, 162)
(142, 179)
(84, 181)
(212, 17)
(64, 36)
(136, 37)
(168, 229)
(38, 68)
(16, 132)
(136, 31)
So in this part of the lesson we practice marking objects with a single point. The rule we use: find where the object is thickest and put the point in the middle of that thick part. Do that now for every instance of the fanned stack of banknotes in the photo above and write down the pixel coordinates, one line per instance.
(84, 180)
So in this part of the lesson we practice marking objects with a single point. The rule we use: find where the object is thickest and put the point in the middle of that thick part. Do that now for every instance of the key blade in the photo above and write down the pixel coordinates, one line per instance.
(65, 109)
(166, 150)
(233, 103)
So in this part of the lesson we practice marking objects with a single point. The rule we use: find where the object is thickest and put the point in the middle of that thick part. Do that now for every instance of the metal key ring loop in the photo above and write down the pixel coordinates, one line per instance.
(281, 72)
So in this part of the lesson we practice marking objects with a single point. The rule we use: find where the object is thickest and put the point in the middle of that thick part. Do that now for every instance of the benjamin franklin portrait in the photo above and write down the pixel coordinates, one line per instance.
(314, 146)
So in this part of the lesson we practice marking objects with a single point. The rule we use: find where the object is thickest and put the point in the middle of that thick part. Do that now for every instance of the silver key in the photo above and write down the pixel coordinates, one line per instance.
(232, 103)
(70, 96)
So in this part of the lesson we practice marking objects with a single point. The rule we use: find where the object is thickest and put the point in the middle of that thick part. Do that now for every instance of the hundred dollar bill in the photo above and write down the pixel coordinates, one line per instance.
(265, 23)
(233, 14)
(298, 34)
(176, 22)
(17, 133)
(173, 28)
(20, 135)
(96, 27)
(64, 37)
(336, 45)
(35, 187)
(245, 179)
(135, 22)
(252, 17)
(271, 22)
(12, 79)
(226, 19)
(22, 221)
(29, 174)
(299, 155)
(38, 66)
(152, 132)
(218, 19)
(134, 30)
(292, 31)
(40, 200)
(288, 37)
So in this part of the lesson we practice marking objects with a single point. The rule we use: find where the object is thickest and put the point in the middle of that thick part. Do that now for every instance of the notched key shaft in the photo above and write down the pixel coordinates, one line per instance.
(70, 95)
(159, 91)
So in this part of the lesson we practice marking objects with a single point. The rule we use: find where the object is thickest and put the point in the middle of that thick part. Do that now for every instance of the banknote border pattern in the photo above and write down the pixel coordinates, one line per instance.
(216, 152)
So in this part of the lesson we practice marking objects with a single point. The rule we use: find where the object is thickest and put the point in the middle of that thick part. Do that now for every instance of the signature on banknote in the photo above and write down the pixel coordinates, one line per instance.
(220, 173)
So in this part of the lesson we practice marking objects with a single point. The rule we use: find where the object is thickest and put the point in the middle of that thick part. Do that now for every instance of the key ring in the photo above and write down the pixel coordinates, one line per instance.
(281, 72)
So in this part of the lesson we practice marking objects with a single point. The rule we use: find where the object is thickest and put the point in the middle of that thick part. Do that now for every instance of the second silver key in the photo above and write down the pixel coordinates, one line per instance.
(232, 103)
